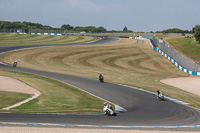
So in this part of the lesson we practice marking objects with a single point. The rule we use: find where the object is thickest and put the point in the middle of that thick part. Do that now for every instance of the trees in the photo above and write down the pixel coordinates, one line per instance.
(197, 33)
(23, 26)
(29, 27)
(67, 27)
(125, 29)
(100, 30)
(174, 30)
(90, 29)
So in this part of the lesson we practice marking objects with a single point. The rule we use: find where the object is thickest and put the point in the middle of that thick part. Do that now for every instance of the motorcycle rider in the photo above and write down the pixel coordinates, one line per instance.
(106, 105)
(101, 77)
(158, 92)
(15, 64)
(160, 95)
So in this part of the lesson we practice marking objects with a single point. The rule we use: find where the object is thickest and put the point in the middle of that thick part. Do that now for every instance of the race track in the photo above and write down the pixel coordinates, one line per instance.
(143, 108)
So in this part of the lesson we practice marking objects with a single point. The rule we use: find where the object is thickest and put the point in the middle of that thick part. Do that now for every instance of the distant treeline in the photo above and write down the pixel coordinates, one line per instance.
(175, 30)
(23, 26)
(196, 30)
(29, 27)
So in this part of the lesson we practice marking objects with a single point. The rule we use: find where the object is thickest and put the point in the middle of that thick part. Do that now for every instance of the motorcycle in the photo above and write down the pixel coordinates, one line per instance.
(160, 96)
(109, 111)
(15, 64)
(101, 79)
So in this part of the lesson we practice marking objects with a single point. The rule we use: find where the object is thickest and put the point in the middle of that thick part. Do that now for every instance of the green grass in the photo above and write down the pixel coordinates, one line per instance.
(56, 97)
(10, 98)
(188, 46)
(7, 39)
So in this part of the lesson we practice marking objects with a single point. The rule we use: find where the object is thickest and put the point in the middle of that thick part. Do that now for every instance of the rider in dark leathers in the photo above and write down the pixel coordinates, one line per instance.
(158, 92)
(101, 78)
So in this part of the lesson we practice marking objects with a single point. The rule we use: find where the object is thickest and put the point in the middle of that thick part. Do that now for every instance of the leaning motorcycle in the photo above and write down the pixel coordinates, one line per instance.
(160, 96)
(15, 64)
(109, 112)
(101, 79)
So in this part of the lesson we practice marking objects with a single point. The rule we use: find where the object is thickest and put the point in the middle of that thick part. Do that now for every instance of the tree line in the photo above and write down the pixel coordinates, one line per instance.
(24, 26)
(175, 30)
(29, 27)
(196, 30)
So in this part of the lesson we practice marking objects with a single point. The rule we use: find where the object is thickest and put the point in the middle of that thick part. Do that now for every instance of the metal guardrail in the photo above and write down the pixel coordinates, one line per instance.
(174, 54)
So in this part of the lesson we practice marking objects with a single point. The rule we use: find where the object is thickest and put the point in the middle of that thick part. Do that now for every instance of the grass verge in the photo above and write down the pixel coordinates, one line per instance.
(10, 98)
(188, 46)
(56, 96)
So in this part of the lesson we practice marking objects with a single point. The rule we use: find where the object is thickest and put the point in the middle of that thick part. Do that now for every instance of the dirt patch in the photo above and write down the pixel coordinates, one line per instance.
(13, 85)
(190, 84)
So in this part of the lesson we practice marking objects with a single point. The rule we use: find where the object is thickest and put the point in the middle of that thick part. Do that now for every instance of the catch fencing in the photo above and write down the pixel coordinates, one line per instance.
(182, 60)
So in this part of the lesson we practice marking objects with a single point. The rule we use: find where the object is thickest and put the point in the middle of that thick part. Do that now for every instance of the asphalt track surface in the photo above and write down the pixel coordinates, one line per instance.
(143, 108)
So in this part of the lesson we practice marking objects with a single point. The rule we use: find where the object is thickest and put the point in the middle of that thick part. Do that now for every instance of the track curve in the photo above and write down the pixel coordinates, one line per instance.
(143, 108)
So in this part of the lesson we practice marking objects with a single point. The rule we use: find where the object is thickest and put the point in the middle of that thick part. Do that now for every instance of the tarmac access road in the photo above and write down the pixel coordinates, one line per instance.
(144, 110)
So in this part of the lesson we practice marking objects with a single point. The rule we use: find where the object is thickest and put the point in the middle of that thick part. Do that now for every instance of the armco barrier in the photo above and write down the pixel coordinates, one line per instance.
(46, 34)
(168, 57)
(182, 60)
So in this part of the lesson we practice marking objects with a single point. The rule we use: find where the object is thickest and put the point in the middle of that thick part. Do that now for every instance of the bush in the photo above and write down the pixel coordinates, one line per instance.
(197, 33)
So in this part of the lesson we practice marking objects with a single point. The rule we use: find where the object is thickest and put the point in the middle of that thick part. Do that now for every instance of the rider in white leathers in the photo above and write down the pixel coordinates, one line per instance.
(160, 95)
(106, 106)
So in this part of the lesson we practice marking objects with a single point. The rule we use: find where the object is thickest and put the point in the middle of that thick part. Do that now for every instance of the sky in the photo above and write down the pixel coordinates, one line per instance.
(136, 15)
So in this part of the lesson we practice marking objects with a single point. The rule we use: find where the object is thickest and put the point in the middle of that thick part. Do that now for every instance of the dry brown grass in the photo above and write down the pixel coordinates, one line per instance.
(161, 35)
(130, 62)
(7, 39)
(109, 34)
